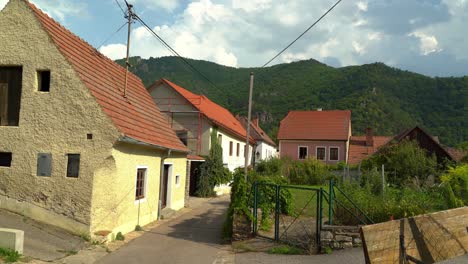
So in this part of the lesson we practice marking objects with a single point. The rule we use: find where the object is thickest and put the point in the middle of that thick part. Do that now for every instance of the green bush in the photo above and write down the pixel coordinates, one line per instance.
(406, 161)
(395, 202)
(9, 255)
(213, 171)
(120, 236)
(456, 184)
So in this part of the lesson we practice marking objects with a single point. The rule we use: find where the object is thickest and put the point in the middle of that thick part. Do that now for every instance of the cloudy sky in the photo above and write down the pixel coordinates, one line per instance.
(425, 36)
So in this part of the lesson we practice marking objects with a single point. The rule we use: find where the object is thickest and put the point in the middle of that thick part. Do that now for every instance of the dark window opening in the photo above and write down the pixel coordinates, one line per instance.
(320, 153)
(73, 166)
(89, 136)
(10, 95)
(44, 164)
(43, 81)
(220, 139)
(333, 153)
(238, 150)
(5, 159)
(303, 152)
(230, 148)
(140, 184)
(183, 136)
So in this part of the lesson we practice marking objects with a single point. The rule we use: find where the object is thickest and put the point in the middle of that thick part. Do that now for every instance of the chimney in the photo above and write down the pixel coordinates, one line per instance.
(319, 109)
(369, 137)
(255, 122)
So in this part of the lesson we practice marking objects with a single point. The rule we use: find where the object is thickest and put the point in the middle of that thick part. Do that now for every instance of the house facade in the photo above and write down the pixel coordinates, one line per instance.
(76, 150)
(323, 135)
(194, 117)
(265, 147)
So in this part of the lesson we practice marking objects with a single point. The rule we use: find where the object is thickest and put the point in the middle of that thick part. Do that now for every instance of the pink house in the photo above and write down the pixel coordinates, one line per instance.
(324, 135)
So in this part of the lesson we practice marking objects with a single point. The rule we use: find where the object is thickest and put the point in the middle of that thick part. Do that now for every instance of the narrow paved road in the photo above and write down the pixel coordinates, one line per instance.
(192, 238)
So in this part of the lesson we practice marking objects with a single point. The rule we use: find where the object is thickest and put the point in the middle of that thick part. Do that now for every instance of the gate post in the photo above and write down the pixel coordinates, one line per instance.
(277, 212)
(317, 209)
(330, 202)
(255, 209)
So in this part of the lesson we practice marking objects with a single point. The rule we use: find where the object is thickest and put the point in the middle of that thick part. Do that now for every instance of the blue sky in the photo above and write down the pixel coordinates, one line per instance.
(424, 36)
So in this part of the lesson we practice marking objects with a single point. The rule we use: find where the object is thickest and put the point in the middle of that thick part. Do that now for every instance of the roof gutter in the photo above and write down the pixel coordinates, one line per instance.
(130, 140)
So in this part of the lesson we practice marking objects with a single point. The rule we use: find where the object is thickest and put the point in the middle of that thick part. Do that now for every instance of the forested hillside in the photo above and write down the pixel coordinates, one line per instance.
(385, 98)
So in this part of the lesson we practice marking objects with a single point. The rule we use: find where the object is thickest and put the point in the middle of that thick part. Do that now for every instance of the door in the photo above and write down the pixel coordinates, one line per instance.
(165, 185)
(195, 167)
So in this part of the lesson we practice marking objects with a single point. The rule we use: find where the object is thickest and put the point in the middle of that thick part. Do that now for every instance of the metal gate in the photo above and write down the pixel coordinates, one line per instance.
(289, 214)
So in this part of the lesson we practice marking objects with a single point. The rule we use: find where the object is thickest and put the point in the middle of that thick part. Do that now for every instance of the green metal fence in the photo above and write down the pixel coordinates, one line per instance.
(289, 214)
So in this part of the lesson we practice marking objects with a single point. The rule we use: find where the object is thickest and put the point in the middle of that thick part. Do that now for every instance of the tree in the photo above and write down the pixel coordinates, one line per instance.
(404, 162)
(213, 171)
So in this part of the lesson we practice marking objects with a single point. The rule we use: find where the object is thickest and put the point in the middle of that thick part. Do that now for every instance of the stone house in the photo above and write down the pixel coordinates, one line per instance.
(78, 149)
(194, 117)
(321, 134)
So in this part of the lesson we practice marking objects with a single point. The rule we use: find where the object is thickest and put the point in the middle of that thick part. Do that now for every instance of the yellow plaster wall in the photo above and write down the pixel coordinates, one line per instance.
(114, 206)
(55, 122)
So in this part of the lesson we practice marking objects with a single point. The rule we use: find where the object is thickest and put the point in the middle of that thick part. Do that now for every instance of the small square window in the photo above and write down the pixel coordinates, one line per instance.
(334, 154)
(43, 81)
(303, 153)
(73, 166)
(5, 159)
(89, 136)
(44, 164)
(320, 153)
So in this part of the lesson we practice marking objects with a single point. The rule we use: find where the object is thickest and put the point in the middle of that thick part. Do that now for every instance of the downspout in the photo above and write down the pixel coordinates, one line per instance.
(161, 178)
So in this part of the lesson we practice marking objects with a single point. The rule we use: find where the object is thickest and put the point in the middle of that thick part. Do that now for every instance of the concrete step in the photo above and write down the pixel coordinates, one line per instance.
(167, 213)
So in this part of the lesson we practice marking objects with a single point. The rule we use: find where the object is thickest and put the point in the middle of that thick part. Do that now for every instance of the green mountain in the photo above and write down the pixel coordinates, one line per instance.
(387, 99)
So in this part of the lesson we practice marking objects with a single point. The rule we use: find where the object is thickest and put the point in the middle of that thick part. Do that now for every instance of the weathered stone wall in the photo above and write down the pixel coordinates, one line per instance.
(340, 237)
(55, 122)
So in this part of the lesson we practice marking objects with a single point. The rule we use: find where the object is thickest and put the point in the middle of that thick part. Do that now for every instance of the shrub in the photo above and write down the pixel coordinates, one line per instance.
(10, 256)
(119, 236)
(406, 160)
(456, 184)
(213, 171)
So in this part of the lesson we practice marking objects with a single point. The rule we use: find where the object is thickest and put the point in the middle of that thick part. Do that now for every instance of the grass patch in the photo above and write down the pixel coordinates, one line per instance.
(68, 252)
(285, 250)
(307, 200)
(9, 255)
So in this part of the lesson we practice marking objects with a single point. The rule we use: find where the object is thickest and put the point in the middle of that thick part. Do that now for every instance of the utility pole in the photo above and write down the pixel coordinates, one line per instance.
(249, 116)
(127, 62)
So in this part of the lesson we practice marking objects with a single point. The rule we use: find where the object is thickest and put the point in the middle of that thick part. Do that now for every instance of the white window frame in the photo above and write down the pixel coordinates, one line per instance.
(329, 153)
(299, 152)
(145, 190)
(316, 153)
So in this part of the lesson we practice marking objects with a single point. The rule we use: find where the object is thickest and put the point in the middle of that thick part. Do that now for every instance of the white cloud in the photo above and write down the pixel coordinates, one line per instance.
(362, 6)
(168, 5)
(427, 43)
(60, 9)
(114, 51)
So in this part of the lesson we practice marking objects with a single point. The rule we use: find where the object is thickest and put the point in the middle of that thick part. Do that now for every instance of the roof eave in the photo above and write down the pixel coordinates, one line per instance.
(126, 139)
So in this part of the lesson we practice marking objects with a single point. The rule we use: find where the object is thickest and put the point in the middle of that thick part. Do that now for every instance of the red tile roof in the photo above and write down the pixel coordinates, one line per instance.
(316, 125)
(195, 158)
(136, 116)
(219, 115)
(457, 154)
(256, 131)
(359, 151)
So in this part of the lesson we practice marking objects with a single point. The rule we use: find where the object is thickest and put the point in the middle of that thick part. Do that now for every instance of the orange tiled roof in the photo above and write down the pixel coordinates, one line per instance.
(216, 113)
(359, 151)
(316, 125)
(256, 131)
(136, 115)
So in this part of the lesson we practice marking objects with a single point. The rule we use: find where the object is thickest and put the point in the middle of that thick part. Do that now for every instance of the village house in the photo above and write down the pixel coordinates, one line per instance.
(323, 135)
(361, 147)
(194, 117)
(79, 149)
(265, 147)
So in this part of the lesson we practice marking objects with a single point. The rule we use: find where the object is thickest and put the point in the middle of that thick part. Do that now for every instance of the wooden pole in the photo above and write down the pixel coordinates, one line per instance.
(383, 179)
(249, 116)
(127, 62)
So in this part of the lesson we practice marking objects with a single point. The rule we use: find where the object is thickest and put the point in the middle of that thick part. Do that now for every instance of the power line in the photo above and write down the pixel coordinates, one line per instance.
(303, 33)
(174, 51)
(111, 36)
(120, 6)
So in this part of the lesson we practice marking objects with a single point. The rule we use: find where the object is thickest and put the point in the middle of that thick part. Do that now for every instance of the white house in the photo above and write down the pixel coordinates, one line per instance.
(265, 147)
(194, 117)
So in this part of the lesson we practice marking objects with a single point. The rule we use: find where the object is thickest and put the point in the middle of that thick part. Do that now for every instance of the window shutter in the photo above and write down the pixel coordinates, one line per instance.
(44, 164)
